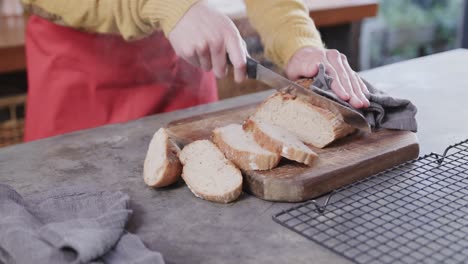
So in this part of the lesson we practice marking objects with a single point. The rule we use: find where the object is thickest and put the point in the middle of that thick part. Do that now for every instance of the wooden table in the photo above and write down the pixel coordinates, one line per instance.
(12, 53)
(186, 229)
(335, 12)
(324, 13)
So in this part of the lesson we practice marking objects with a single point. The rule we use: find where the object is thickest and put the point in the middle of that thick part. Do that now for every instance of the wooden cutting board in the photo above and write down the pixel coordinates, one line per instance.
(343, 162)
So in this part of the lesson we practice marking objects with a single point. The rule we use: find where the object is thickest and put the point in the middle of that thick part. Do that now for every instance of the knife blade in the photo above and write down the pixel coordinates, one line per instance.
(257, 71)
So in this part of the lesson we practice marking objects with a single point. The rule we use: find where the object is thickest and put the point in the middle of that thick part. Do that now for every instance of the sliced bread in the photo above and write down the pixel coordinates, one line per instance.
(162, 166)
(280, 140)
(208, 174)
(310, 123)
(240, 148)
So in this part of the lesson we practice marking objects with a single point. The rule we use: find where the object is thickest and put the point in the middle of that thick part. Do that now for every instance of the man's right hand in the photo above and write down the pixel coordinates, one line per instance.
(203, 36)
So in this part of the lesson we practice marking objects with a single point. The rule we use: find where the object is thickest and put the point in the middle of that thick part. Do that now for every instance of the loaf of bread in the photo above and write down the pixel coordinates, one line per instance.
(280, 141)
(208, 174)
(310, 123)
(240, 148)
(162, 166)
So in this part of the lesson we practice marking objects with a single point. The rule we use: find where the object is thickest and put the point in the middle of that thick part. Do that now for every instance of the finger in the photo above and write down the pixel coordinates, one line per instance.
(244, 45)
(334, 58)
(364, 88)
(354, 82)
(204, 57)
(194, 61)
(237, 54)
(361, 90)
(336, 84)
(205, 61)
(218, 60)
(306, 70)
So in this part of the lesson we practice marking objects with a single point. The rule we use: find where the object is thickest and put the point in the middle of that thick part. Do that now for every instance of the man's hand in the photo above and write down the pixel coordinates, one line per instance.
(203, 36)
(346, 83)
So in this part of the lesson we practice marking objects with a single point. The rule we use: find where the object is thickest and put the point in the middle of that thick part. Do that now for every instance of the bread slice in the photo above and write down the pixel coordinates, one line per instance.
(240, 148)
(310, 123)
(279, 140)
(162, 166)
(208, 174)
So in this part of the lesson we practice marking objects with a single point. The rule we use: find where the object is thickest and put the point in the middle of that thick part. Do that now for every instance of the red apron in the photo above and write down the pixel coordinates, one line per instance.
(80, 80)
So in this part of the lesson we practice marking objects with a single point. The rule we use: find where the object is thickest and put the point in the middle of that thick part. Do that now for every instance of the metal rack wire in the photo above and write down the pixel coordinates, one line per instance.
(413, 213)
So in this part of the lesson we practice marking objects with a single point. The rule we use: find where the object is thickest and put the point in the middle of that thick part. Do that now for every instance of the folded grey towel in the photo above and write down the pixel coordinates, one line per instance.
(384, 111)
(68, 226)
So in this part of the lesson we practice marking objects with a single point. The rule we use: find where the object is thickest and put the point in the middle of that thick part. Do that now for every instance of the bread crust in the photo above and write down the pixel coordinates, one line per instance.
(276, 146)
(171, 169)
(225, 198)
(245, 160)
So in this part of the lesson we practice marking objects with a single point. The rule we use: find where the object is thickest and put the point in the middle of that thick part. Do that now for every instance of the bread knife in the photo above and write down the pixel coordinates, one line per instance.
(257, 71)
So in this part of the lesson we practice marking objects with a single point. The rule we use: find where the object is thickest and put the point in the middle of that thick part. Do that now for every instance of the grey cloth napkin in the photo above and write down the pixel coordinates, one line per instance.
(69, 226)
(384, 111)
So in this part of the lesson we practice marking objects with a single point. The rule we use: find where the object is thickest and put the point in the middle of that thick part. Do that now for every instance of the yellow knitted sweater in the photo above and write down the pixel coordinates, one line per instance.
(284, 25)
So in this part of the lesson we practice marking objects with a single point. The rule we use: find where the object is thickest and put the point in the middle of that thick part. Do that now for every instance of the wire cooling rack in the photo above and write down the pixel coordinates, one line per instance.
(413, 213)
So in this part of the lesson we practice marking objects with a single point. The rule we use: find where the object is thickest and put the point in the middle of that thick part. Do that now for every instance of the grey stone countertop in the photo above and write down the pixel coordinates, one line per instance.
(186, 229)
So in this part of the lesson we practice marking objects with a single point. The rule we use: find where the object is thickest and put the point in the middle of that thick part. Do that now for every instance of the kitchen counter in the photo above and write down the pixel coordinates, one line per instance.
(186, 229)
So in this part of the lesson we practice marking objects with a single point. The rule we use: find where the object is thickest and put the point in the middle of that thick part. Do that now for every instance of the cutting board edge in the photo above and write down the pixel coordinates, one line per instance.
(411, 151)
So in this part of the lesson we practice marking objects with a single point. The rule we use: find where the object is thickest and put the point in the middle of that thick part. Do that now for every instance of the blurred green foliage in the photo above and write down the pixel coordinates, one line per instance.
(442, 17)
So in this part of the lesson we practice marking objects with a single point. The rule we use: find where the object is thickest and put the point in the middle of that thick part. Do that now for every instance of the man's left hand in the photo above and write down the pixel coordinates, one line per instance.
(346, 83)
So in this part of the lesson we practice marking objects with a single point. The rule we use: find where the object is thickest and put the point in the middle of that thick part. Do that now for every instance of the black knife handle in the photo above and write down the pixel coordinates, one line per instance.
(251, 67)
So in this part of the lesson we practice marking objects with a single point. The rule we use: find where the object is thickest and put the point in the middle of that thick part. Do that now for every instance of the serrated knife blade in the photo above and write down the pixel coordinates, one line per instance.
(259, 72)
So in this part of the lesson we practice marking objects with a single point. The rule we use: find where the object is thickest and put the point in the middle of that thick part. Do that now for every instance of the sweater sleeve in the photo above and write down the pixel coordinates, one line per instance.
(284, 26)
(130, 18)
